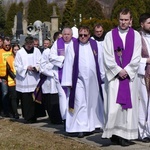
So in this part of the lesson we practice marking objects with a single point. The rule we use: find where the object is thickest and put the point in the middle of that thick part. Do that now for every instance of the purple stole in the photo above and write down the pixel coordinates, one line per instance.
(37, 94)
(76, 70)
(124, 95)
(61, 51)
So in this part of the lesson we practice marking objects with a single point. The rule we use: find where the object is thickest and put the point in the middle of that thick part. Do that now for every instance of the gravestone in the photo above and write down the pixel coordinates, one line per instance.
(19, 29)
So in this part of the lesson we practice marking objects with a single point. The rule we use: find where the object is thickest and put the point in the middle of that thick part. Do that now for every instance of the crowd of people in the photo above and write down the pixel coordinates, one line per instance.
(99, 81)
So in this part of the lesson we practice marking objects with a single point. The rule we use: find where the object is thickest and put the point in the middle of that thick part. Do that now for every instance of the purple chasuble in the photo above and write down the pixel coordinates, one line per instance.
(76, 70)
(124, 95)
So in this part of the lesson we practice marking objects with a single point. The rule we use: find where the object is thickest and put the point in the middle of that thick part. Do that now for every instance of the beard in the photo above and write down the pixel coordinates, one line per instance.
(146, 31)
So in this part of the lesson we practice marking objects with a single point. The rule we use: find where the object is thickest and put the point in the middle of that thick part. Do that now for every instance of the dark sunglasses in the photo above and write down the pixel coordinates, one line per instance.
(85, 35)
(7, 45)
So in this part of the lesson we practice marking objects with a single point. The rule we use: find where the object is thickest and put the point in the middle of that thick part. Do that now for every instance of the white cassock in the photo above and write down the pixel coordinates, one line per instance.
(144, 127)
(123, 123)
(62, 102)
(88, 106)
(49, 66)
(26, 81)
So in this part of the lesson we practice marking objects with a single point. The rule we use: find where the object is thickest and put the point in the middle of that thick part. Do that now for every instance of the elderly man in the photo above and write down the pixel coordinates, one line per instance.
(122, 53)
(27, 77)
(83, 74)
(60, 45)
(47, 67)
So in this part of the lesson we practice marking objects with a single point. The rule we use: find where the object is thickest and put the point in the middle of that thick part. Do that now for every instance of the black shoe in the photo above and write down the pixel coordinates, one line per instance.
(146, 140)
(123, 142)
(88, 133)
(114, 139)
(80, 135)
(7, 115)
(30, 121)
(64, 123)
(16, 116)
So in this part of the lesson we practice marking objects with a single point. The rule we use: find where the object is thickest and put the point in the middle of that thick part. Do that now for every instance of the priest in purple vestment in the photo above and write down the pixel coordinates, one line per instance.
(122, 53)
(83, 73)
(52, 62)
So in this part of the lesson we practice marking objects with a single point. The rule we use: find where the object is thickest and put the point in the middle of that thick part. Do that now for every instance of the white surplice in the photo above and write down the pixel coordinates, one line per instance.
(88, 106)
(49, 66)
(123, 123)
(144, 108)
(26, 81)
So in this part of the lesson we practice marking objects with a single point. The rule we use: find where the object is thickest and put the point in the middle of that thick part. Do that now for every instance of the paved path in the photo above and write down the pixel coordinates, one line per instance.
(94, 139)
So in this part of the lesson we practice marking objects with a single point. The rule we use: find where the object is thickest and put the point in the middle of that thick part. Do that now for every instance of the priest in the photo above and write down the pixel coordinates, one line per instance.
(122, 53)
(83, 74)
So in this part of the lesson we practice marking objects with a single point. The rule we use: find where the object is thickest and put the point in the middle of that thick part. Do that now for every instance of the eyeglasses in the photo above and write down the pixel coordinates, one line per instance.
(7, 45)
(85, 35)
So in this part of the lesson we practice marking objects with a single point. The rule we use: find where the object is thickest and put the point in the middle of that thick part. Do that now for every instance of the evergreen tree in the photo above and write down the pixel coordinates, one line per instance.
(2, 19)
(38, 11)
(88, 9)
(67, 19)
(147, 4)
(10, 19)
(43, 11)
(79, 9)
(33, 11)
(20, 7)
(94, 10)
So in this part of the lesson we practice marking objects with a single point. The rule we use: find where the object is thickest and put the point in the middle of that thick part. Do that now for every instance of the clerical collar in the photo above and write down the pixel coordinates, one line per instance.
(29, 51)
(145, 34)
(123, 31)
(99, 38)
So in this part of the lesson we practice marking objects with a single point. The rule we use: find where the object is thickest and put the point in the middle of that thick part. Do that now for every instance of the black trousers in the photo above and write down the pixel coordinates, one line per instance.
(13, 99)
(51, 102)
(30, 109)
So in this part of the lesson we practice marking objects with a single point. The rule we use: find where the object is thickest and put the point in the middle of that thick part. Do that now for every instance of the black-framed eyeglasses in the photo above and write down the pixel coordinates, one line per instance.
(85, 35)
